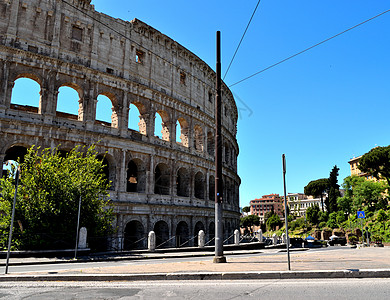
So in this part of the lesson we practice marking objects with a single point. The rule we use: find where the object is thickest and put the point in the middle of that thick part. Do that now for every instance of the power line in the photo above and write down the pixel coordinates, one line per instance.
(243, 35)
(307, 49)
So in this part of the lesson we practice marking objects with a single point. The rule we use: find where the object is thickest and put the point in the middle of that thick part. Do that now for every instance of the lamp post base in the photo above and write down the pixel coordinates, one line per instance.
(219, 259)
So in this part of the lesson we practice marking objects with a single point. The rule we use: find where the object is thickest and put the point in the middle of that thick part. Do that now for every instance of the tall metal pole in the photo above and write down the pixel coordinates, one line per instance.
(285, 211)
(218, 258)
(12, 221)
(77, 232)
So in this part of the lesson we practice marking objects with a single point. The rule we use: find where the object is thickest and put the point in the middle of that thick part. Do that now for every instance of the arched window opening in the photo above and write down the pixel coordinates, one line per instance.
(158, 126)
(13, 156)
(132, 177)
(183, 182)
(26, 95)
(162, 179)
(199, 185)
(210, 143)
(161, 230)
(106, 169)
(134, 118)
(161, 128)
(182, 234)
(198, 138)
(183, 136)
(133, 236)
(212, 188)
(68, 103)
(227, 153)
(178, 132)
(198, 227)
(104, 110)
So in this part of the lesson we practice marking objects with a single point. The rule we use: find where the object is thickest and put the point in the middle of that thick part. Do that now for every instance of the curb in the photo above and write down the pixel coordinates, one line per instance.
(319, 274)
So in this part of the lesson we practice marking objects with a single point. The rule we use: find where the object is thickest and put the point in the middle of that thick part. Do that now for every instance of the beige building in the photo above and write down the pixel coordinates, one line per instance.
(354, 166)
(162, 184)
(299, 203)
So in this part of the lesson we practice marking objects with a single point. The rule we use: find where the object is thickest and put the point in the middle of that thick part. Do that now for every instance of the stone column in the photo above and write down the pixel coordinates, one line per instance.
(122, 173)
(274, 239)
(150, 176)
(201, 239)
(2, 156)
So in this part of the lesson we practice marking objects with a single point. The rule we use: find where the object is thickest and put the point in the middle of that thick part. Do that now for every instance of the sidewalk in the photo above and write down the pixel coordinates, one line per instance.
(339, 262)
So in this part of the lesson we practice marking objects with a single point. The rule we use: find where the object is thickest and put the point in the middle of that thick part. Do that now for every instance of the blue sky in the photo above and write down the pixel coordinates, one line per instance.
(320, 108)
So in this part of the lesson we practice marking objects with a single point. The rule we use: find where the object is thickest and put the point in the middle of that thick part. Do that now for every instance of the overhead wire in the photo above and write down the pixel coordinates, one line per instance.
(307, 49)
(243, 35)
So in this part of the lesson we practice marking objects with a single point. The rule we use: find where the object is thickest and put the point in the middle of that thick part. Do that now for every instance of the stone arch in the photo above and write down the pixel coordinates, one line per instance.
(69, 103)
(165, 131)
(136, 176)
(105, 109)
(26, 84)
(183, 182)
(184, 134)
(198, 138)
(212, 188)
(16, 152)
(182, 234)
(198, 227)
(199, 185)
(162, 179)
(133, 236)
(134, 118)
(210, 143)
(108, 168)
(161, 230)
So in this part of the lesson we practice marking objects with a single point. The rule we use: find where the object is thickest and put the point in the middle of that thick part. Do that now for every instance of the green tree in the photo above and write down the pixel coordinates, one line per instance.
(273, 221)
(250, 221)
(377, 163)
(332, 221)
(317, 188)
(246, 209)
(312, 214)
(48, 197)
(368, 193)
(333, 190)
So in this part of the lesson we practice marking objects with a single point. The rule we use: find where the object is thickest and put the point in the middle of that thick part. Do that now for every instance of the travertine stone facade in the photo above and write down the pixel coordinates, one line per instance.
(157, 184)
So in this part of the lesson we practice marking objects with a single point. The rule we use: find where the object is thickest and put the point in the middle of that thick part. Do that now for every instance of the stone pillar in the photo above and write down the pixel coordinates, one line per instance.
(284, 238)
(201, 239)
(152, 241)
(150, 176)
(2, 156)
(236, 237)
(82, 238)
(121, 186)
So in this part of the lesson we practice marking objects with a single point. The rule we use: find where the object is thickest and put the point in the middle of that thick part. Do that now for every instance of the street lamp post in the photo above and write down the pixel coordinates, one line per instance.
(12, 220)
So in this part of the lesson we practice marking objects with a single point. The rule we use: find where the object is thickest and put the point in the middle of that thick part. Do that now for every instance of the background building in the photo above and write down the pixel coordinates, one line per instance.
(267, 203)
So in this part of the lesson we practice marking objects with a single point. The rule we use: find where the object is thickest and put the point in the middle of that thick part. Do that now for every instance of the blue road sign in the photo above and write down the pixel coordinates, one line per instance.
(361, 215)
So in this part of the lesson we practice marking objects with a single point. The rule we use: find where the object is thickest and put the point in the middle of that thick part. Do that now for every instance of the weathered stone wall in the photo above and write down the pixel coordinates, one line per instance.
(67, 43)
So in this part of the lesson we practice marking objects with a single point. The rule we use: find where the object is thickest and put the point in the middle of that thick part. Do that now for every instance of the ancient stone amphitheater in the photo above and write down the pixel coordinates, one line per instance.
(166, 183)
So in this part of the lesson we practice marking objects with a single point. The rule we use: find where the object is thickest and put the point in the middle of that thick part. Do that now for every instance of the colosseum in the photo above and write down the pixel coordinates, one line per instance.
(162, 182)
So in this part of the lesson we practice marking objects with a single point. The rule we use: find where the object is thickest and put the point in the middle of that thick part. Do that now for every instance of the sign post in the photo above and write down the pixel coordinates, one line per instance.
(285, 211)
(361, 216)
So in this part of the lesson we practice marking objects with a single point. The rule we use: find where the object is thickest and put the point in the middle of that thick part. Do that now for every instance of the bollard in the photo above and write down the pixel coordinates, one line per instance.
(152, 241)
(236, 237)
(260, 235)
(284, 238)
(274, 239)
(201, 239)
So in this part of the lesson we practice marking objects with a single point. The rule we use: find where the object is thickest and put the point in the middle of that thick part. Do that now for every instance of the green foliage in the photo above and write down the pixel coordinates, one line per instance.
(312, 214)
(48, 197)
(322, 216)
(377, 163)
(322, 225)
(249, 221)
(246, 209)
(273, 221)
(340, 218)
(332, 221)
(333, 190)
(317, 187)
(367, 194)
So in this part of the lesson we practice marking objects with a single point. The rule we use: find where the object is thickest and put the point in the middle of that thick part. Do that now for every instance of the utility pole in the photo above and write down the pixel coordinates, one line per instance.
(285, 211)
(218, 258)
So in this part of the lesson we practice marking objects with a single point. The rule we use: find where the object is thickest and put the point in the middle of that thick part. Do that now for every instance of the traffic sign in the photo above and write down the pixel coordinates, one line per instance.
(361, 215)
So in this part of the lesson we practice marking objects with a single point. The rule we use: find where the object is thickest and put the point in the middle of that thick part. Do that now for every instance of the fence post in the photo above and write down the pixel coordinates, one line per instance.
(236, 237)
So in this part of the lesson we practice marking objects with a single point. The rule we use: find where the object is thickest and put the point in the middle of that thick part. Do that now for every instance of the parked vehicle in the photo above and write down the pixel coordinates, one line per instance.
(337, 240)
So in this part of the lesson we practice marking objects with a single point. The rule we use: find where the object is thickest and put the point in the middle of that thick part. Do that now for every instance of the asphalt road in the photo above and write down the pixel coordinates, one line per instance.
(255, 289)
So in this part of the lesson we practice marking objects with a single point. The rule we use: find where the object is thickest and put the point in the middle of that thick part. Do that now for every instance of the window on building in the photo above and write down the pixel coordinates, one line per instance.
(77, 33)
(139, 56)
